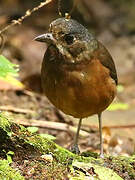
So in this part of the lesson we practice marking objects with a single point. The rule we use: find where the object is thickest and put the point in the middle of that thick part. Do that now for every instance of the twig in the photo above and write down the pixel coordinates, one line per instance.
(27, 14)
(51, 125)
(67, 14)
(121, 126)
(16, 110)
(112, 127)
(59, 7)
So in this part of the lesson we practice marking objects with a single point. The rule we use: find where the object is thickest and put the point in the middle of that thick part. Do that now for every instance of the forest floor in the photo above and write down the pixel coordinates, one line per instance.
(29, 104)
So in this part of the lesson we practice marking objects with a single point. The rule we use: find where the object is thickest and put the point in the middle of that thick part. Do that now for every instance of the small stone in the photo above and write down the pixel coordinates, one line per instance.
(47, 157)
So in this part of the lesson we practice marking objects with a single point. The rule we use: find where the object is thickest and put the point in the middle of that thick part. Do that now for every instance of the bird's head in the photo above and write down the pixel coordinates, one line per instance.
(70, 38)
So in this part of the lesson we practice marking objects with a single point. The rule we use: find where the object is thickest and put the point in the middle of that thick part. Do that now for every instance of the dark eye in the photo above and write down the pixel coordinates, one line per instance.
(69, 38)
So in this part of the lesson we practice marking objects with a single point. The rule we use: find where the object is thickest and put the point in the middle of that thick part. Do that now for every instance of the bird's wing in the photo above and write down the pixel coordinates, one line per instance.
(106, 59)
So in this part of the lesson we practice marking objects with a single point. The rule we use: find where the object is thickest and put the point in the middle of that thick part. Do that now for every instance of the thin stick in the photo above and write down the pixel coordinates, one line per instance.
(27, 14)
(67, 14)
(112, 127)
(59, 7)
(51, 125)
(16, 110)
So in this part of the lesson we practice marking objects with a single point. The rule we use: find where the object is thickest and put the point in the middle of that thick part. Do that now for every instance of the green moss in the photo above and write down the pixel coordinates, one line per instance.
(5, 124)
(125, 165)
(31, 146)
(8, 173)
(62, 155)
(83, 170)
(48, 146)
(43, 144)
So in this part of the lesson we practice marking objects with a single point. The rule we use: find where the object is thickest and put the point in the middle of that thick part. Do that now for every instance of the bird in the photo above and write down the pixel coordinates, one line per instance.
(78, 74)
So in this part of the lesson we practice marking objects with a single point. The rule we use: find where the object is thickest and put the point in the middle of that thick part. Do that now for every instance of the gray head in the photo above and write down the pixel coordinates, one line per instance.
(68, 36)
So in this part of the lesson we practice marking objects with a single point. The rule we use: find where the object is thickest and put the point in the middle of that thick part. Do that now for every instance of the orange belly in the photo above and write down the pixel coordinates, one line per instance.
(80, 93)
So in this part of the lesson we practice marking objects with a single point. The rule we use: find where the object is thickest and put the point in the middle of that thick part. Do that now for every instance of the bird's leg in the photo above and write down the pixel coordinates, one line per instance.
(101, 139)
(75, 148)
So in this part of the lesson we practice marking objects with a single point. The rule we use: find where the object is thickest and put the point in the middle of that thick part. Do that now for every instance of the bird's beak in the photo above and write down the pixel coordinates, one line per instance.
(47, 38)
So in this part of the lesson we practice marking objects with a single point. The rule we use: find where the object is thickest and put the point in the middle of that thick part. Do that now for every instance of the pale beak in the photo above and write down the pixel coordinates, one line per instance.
(47, 38)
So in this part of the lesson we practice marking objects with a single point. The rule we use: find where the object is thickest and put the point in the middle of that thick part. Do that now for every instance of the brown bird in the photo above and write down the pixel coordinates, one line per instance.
(78, 74)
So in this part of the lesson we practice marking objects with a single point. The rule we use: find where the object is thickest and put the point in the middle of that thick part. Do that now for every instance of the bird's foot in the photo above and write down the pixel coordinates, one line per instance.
(75, 149)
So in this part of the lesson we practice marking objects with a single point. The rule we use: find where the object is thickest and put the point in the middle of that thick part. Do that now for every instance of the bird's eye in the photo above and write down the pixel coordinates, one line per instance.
(69, 39)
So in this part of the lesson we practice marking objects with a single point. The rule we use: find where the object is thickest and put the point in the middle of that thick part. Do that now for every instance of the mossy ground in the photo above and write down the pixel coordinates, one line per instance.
(27, 155)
